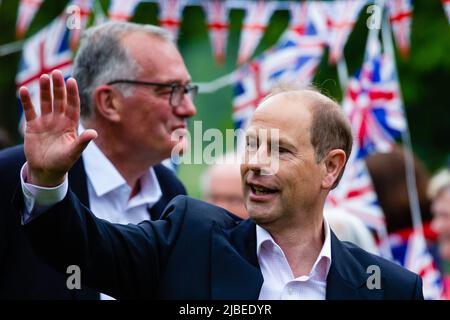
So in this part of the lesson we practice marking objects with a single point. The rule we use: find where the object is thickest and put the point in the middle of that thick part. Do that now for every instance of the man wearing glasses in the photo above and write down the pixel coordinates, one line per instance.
(134, 91)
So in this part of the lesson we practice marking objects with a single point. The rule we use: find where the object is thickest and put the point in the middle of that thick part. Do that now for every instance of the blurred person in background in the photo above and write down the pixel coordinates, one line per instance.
(387, 171)
(221, 185)
(439, 194)
(135, 91)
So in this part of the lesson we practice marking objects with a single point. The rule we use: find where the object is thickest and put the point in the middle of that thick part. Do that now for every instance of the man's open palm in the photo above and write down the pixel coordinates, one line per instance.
(52, 144)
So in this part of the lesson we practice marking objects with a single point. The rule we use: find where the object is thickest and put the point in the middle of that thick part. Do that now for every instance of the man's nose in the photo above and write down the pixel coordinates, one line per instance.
(259, 160)
(187, 108)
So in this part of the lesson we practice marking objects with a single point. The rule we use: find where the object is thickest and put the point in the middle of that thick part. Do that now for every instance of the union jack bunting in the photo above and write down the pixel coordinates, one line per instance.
(44, 52)
(120, 10)
(400, 14)
(27, 11)
(372, 103)
(170, 12)
(258, 14)
(84, 11)
(295, 57)
(306, 18)
(446, 4)
(217, 23)
(356, 195)
(410, 250)
(341, 17)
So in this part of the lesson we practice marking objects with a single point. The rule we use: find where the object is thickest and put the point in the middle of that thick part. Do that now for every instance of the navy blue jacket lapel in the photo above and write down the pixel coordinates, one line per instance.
(347, 278)
(235, 272)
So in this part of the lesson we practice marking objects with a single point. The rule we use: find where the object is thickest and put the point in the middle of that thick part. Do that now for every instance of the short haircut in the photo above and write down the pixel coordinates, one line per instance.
(102, 58)
(330, 127)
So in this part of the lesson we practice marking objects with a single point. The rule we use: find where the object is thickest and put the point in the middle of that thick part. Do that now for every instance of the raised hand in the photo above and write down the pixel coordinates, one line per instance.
(52, 144)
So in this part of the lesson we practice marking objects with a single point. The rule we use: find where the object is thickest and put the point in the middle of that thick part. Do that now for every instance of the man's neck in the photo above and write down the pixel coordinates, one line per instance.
(126, 161)
(301, 244)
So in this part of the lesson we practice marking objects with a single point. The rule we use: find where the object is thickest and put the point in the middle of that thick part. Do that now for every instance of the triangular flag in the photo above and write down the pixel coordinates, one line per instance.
(258, 14)
(170, 12)
(400, 15)
(341, 18)
(217, 18)
(27, 11)
(120, 10)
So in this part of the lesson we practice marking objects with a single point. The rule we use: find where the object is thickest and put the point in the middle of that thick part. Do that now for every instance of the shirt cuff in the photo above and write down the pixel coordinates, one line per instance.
(38, 199)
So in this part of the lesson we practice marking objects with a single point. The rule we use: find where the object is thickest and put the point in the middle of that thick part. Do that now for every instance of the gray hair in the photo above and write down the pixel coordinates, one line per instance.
(102, 58)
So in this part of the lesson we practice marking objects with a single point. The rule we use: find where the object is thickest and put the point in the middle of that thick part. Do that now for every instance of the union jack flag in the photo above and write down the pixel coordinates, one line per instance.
(257, 17)
(356, 195)
(294, 58)
(341, 17)
(217, 17)
(170, 12)
(120, 10)
(42, 53)
(400, 13)
(27, 11)
(373, 103)
(446, 4)
(410, 250)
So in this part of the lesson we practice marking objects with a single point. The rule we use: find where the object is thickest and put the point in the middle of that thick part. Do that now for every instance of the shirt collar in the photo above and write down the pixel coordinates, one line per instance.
(322, 264)
(105, 178)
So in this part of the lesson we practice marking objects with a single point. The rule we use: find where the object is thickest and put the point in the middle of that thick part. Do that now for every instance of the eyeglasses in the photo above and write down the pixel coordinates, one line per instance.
(176, 94)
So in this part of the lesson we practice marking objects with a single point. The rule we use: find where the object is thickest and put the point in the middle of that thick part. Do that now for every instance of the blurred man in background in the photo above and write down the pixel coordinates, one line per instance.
(134, 91)
(221, 185)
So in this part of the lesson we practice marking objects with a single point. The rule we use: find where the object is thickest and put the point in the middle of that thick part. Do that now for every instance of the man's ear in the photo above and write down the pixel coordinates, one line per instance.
(108, 102)
(334, 163)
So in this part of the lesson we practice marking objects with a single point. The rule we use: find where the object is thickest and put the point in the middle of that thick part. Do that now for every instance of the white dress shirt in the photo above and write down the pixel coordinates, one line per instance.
(279, 282)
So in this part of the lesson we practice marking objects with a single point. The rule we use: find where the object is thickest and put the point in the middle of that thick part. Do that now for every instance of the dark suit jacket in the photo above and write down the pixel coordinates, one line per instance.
(196, 251)
(22, 274)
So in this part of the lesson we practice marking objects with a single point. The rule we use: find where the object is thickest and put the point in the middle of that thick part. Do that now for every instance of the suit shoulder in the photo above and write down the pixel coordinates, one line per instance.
(11, 161)
(12, 157)
(201, 212)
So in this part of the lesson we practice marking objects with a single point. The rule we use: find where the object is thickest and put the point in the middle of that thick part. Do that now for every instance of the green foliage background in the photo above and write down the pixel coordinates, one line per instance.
(424, 77)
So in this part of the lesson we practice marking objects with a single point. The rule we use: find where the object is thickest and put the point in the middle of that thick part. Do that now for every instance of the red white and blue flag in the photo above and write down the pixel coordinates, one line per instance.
(446, 4)
(120, 10)
(294, 58)
(170, 14)
(217, 23)
(373, 103)
(341, 17)
(356, 195)
(410, 250)
(400, 15)
(42, 53)
(27, 11)
(258, 14)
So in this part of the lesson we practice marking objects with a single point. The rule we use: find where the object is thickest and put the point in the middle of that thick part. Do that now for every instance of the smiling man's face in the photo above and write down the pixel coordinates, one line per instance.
(296, 184)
